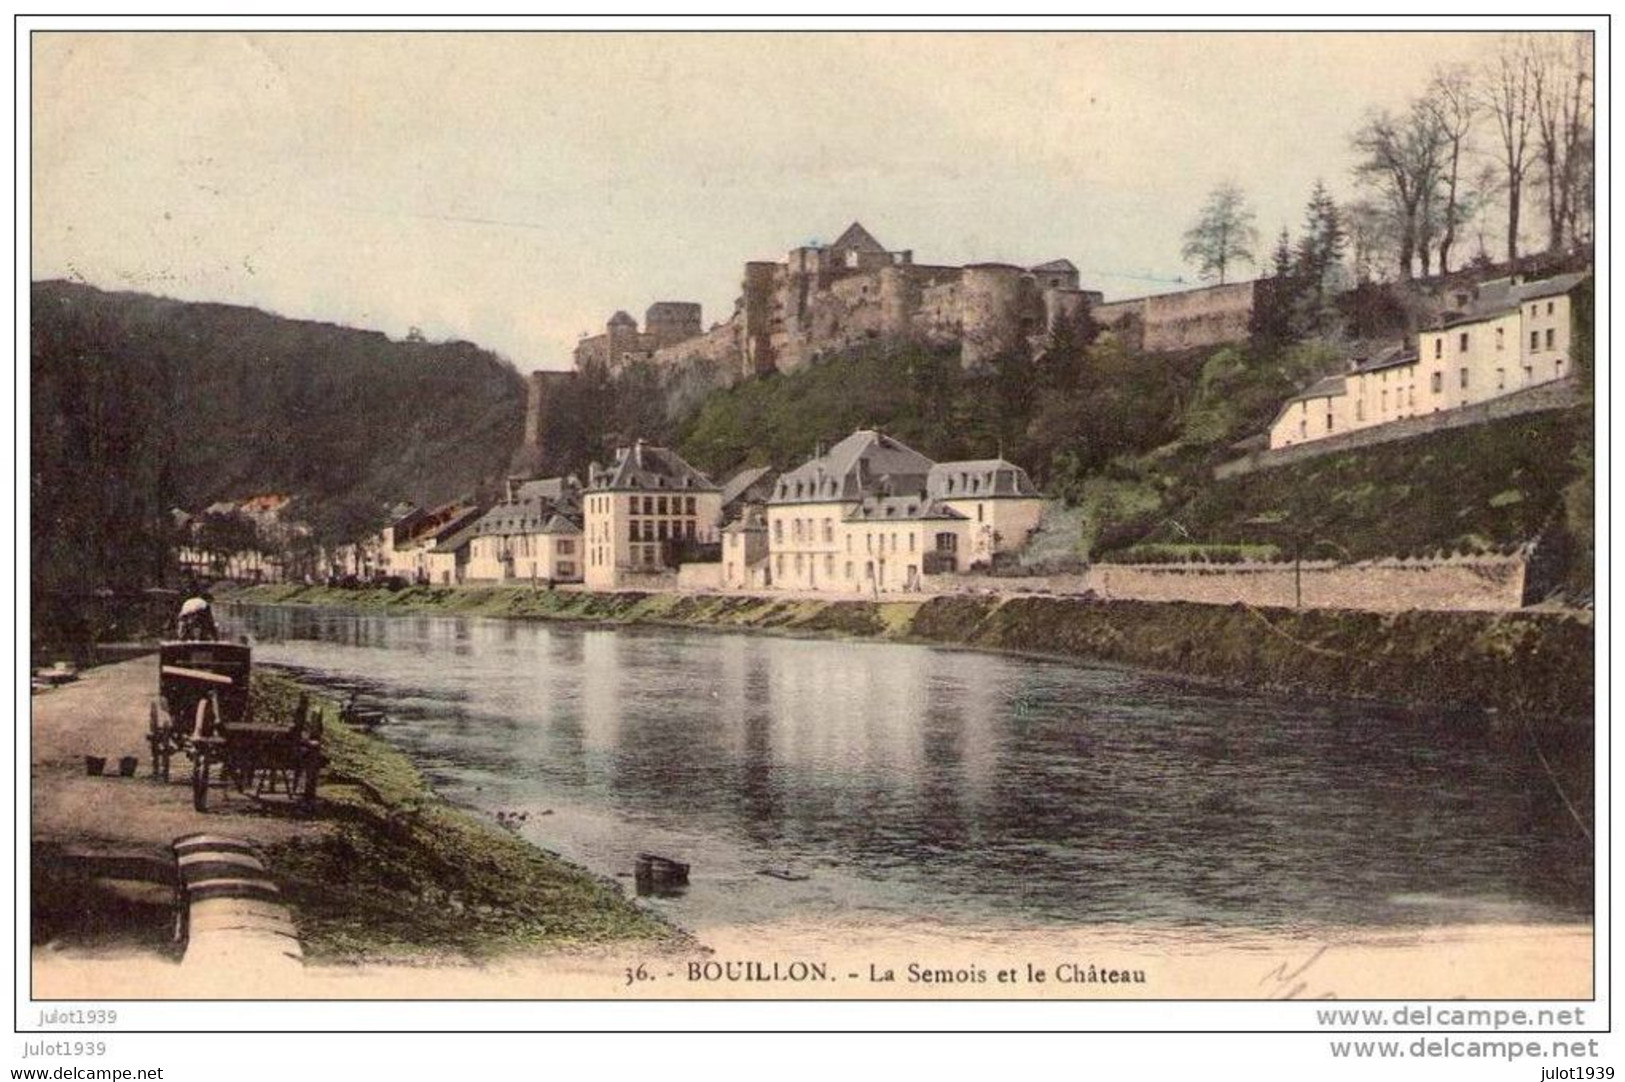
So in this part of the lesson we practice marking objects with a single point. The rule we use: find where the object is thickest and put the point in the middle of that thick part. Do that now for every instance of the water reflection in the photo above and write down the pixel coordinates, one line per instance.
(966, 786)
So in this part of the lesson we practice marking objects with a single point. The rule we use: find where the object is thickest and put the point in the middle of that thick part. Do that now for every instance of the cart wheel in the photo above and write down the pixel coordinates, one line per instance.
(200, 781)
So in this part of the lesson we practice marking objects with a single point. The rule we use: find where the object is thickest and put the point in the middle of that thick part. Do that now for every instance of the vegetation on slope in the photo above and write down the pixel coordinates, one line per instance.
(404, 876)
(140, 404)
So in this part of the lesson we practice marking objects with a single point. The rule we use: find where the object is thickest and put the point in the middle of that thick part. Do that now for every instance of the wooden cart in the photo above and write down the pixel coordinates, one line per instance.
(203, 711)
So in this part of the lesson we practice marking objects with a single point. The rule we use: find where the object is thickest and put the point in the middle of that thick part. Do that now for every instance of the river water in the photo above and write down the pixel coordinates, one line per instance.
(908, 782)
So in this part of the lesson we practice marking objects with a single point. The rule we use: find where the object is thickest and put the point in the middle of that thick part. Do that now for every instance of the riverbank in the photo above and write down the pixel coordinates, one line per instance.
(1535, 665)
(384, 871)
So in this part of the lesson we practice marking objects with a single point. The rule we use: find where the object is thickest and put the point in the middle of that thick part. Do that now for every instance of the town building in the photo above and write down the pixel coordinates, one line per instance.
(745, 558)
(531, 536)
(1509, 336)
(872, 515)
(644, 515)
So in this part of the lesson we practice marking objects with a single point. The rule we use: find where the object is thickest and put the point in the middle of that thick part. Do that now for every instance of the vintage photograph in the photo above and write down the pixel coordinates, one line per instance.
(659, 515)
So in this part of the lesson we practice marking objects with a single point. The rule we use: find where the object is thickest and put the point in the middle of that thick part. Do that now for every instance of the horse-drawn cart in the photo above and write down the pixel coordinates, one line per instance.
(204, 712)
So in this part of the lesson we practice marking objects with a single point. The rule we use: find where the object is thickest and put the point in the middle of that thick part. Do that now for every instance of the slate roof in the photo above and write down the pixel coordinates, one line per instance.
(981, 478)
(866, 463)
(560, 525)
(737, 485)
(1322, 388)
(1394, 358)
(902, 509)
(458, 539)
(644, 467)
(1499, 296)
(534, 503)
(1065, 266)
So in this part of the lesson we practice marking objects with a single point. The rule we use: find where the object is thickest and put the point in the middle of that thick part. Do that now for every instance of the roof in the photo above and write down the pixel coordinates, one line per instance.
(858, 237)
(1394, 358)
(866, 463)
(458, 539)
(645, 467)
(981, 478)
(1056, 265)
(1329, 387)
(741, 482)
(547, 488)
(560, 524)
(903, 509)
(621, 319)
(1500, 295)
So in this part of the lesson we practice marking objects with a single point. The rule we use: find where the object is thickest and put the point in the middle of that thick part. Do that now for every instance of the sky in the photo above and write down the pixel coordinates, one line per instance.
(514, 190)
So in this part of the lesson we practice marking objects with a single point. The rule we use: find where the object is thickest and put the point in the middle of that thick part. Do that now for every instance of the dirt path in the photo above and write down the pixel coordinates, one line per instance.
(105, 713)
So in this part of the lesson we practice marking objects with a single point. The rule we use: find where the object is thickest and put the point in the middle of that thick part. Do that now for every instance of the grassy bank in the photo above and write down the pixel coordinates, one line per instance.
(1529, 663)
(401, 875)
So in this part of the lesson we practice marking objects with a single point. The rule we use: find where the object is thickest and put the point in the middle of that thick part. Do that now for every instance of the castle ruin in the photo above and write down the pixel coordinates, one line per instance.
(827, 299)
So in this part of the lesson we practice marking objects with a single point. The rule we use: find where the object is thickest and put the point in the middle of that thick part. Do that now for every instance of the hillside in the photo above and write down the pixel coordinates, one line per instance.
(1479, 489)
(141, 404)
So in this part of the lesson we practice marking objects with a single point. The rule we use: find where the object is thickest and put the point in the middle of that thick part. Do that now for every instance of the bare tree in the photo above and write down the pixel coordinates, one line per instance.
(1508, 91)
(1224, 233)
(1454, 107)
(1560, 76)
(1372, 237)
(1400, 157)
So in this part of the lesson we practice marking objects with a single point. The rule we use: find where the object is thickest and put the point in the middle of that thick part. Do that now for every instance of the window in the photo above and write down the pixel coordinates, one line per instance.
(1438, 346)
(1551, 306)
(798, 563)
(688, 505)
(829, 565)
(1385, 400)
(1464, 379)
(849, 569)
(632, 529)
(1303, 430)
(1438, 382)
(1534, 341)
(947, 542)
(1500, 379)
(1359, 409)
(567, 547)
(779, 562)
(1557, 368)
(911, 542)
(688, 529)
(979, 509)
(869, 569)
(1528, 373)
(1551, 338)
(1328, 428)
(1500, 338)
(566, 569)
(829, 531)
(778, 531)
(868, 542)
(1463, 342)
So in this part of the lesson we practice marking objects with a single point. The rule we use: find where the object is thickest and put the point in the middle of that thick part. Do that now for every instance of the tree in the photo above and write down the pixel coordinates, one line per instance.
(1399, 157)
(1223, 235)
(1371, 238)
(1560, 73)
(1454, 108)
(1508, 92)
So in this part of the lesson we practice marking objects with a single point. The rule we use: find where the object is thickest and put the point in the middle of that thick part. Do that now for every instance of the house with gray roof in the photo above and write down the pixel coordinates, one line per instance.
(1507, 337)
(873, 515)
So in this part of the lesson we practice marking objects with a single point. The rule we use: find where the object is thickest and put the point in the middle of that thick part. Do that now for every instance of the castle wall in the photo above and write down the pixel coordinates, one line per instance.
(1192, 319)
(992, 312)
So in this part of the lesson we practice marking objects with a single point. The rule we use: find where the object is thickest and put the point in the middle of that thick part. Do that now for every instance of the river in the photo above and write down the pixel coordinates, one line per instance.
(893, 782)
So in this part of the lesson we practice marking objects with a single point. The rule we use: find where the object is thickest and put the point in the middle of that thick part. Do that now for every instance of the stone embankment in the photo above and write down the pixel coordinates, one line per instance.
(1534, 664)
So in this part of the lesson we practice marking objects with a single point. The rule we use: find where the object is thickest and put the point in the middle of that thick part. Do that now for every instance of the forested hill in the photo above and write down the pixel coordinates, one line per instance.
(141, 404)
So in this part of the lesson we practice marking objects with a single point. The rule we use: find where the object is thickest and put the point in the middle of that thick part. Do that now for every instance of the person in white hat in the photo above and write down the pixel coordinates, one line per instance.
(196, 623)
